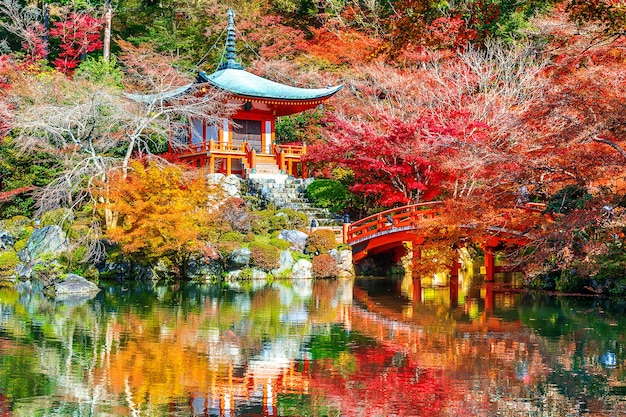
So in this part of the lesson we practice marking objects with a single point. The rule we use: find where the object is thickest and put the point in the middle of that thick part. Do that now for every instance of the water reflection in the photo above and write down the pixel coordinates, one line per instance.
(369, 347)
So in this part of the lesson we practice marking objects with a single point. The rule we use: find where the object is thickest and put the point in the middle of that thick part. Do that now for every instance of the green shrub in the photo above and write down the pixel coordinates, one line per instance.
(245, 274)
(279, 244)
(62, 217)
(572, 281)
(264, 256)
(320, 241)
(270, 221)
(329, 194)
(324, 266)
(568, 199)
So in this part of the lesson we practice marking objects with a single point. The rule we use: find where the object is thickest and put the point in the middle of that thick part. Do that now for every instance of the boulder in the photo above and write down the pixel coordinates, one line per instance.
(285, 263)
(43, 246)
(344, 262)
(73, 284)
(6, 240)
(302, 269)
(239, 258)
(49, 240)
(230, 184)
(203, 267)
(296, 239)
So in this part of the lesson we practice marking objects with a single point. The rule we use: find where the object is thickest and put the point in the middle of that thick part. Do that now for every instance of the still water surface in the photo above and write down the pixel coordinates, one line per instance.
(364, 347)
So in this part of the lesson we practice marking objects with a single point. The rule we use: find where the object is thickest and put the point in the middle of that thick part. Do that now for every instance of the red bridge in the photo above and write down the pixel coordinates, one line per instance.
(389, 230)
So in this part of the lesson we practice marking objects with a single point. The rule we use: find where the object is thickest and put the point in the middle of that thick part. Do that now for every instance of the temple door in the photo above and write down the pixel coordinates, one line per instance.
(249, 131)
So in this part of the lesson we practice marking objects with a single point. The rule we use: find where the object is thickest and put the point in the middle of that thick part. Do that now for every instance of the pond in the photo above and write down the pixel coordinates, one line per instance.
(364, 347)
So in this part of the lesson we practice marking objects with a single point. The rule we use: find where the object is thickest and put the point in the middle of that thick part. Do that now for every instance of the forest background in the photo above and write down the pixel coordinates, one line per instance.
(483, 104)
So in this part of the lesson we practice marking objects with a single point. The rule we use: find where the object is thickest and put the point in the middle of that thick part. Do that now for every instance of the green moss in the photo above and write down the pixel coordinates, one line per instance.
(272, 221)
(8, 260)
(20, 244)
(279, 244)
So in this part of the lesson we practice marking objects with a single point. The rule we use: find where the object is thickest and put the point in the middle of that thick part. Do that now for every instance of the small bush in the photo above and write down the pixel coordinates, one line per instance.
(324, 266)
(320, 241)
(269, 221)
(568, 199)
(264, 256)
(279, 244)
(60, 217)
(329, 194)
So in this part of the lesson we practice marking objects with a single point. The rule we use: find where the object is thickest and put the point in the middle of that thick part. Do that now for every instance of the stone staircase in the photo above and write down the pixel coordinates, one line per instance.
(283, 191)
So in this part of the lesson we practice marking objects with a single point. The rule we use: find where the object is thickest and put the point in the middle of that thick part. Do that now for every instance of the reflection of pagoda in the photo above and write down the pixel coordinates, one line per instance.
(245, 142)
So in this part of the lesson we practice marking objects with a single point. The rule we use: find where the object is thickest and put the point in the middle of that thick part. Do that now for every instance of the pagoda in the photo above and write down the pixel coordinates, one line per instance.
(244, 143)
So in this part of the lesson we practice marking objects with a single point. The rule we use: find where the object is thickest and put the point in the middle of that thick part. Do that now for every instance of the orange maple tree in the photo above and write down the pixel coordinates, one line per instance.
(165, 213)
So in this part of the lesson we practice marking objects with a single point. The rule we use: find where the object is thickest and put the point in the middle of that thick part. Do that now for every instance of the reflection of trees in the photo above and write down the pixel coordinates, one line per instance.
(307, 350)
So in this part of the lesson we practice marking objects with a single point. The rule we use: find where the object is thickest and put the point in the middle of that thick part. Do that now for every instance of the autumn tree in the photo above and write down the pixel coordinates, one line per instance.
(93, 129)
(165, 213)
(79, 34)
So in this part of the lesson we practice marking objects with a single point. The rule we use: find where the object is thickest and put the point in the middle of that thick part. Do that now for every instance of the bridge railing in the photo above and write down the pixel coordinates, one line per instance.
(401, 218)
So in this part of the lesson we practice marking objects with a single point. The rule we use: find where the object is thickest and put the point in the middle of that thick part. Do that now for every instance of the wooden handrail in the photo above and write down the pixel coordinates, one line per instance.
(250, 155)
(215, 148)
(406, 217)
(290, 150)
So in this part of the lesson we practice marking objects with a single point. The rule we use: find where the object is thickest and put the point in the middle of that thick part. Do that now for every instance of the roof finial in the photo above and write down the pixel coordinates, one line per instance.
(231, 51)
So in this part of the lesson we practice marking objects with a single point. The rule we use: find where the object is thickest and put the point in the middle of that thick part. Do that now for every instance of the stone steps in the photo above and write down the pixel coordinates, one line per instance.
(289, 192)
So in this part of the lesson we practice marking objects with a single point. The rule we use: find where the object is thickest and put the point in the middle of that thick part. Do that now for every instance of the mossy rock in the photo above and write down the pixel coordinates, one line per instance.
(8, 262)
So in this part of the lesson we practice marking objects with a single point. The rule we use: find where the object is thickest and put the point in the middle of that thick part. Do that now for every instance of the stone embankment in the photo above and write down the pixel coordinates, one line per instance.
(29, 253)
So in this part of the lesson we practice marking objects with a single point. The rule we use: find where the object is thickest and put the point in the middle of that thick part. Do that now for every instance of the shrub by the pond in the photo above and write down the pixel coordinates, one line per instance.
(269, 221)
(329, 194)
(320, 241)
(324, 266)
(264, 256)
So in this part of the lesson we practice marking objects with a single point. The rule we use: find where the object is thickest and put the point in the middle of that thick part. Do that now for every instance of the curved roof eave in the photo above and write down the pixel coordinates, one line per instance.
(152, 98)
(243, 83)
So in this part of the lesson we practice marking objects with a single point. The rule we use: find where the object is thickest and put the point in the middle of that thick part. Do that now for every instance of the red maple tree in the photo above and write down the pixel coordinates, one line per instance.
(79, 34)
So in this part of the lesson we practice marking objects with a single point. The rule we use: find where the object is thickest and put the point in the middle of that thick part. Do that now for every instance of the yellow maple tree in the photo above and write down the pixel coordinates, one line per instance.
(166, 213)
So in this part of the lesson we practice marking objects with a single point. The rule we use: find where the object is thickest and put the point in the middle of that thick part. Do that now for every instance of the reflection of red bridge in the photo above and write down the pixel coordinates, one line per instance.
(390, 230)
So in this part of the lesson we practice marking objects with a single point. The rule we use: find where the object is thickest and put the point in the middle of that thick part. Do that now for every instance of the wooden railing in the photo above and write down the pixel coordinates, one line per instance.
(215, 148)
(288, 156)
(401, 218)
(250, 156)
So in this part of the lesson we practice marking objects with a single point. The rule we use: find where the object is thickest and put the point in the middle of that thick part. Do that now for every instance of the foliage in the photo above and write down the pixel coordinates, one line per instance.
(235, 212)
(163, 213)
(324, 266)
(610, 15)
(19, 170)
(101, 72)
(79, 34)
(271, 221)
(8, 261)
(320, 241)
(569, 198)
(297, 127)
(279, 244)
(264, 256)
(328, 194)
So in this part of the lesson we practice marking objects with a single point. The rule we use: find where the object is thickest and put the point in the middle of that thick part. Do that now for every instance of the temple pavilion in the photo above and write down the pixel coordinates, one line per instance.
(245, 143)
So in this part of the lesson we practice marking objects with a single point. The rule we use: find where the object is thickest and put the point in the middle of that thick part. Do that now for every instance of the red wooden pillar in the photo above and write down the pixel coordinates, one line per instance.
(489, 264)
(229, 166)
(489, 248)
(489, 298)
(417, 290)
